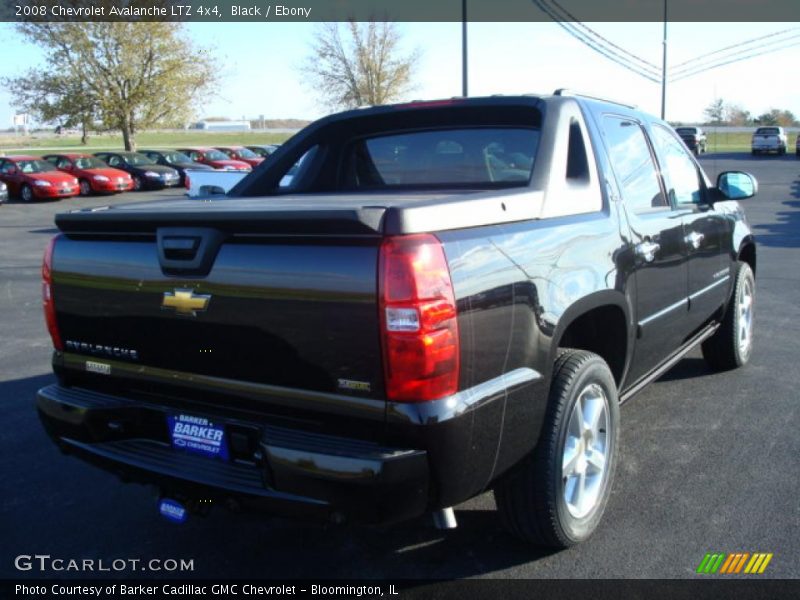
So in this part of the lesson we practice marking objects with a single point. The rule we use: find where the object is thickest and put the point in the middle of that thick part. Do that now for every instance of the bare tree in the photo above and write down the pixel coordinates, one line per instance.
(357, 64)
(715, 112)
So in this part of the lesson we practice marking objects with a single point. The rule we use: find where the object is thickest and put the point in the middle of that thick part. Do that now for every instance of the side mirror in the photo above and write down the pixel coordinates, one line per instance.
(737, 185)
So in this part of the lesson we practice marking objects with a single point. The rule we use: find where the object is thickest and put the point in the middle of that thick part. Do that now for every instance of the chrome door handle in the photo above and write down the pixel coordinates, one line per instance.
(694, 239)
(647, 250)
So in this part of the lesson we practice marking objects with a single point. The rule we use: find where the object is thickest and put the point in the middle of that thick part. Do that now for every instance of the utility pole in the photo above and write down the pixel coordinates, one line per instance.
(664, 69)
(464, 89)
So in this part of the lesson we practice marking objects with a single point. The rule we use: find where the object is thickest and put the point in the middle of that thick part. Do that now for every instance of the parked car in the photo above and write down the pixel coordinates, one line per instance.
(694, 138)
(769, 139)
(797, 146)
(214, 158)
(33, 178)
(3, 193)
(242, 153)
(146, 174)
(263, 150)
(452, 297)
(177, 160)
(94, 176)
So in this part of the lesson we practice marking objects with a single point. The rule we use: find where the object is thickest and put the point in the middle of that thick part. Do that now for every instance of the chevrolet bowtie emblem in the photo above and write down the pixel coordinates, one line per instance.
(186, 302)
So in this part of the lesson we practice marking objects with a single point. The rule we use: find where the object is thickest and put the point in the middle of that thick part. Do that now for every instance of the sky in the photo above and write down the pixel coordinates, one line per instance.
(259, 64)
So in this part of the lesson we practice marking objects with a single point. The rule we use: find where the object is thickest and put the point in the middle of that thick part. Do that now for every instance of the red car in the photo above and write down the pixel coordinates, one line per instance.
(31, 177)
(214, 158)
(94, 176)
(243, 154)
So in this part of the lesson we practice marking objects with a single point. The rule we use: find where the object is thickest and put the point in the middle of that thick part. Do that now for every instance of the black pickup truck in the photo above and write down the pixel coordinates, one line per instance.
(446, 298)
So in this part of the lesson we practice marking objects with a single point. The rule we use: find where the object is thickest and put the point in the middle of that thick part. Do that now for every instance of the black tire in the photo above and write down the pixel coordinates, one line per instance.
(137, 183)
(754, 152)
(26, 193)
(85, 187)
(723, 350)
(531, 496)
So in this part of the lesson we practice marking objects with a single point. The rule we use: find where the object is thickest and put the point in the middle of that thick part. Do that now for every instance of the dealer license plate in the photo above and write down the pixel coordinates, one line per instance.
(197, 435)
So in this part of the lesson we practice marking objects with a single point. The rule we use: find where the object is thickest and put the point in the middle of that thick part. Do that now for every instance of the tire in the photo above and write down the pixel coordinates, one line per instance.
(782, 151)
(137, 183)
(754, 152)
(532, 496)
(86, 187)
(732, 344)
(26, 193)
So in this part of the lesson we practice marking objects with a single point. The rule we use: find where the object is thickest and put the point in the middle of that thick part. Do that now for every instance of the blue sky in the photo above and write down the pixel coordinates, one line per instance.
(259, 65)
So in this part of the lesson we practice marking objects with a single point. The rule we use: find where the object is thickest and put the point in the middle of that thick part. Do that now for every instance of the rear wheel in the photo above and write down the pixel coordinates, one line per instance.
(557, 495)
(26, 193)
(86, 188)
(137, 183)
(731, 346)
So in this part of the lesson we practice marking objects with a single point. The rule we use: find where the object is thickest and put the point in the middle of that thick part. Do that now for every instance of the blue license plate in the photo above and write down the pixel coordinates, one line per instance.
(197, 435)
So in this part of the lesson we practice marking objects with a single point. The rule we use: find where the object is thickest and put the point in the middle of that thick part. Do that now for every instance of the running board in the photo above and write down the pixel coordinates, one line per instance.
(670, 362)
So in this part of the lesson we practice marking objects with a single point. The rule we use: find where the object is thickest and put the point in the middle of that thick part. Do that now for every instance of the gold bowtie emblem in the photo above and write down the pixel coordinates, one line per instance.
(186, 302)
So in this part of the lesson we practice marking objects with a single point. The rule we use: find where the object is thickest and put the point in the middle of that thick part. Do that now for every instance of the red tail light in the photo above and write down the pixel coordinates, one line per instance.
(418, 320)
(47, 295)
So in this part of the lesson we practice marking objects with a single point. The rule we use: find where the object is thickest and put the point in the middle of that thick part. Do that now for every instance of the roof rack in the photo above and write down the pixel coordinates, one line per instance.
(568, 92)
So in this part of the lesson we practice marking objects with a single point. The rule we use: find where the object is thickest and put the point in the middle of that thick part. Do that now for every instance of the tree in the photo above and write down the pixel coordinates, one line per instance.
(362, 66)
(715, 112)
(737, 115)
(131, 75)
(55, 98)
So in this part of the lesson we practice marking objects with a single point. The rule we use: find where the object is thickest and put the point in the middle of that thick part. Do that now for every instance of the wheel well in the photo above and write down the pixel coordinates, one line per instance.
(602, 331)
(748, 255)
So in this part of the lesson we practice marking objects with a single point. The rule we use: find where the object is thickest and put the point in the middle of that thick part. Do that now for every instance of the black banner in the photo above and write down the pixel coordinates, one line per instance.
(258, 11)
(485, 589)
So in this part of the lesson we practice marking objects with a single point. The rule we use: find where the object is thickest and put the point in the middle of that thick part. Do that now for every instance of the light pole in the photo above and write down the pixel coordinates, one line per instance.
(664, 68)
(464, 48)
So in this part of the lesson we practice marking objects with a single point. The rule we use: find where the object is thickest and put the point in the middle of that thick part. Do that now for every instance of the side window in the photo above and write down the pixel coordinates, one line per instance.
(113, 161)
(680, 172)
(633, 165)
(63, 163)
(292, 176)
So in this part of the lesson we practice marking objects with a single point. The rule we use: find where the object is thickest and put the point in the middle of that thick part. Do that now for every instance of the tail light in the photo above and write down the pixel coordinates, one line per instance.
(47, 295)
(418, 319)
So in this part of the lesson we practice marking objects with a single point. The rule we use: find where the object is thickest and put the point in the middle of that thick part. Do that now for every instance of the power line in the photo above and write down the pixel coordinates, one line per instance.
(734, 46)
(732, 60)
(604, 40)
(606, 52)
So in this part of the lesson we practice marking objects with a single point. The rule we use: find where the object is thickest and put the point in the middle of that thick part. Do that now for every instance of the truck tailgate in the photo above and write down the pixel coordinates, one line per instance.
(290, 310)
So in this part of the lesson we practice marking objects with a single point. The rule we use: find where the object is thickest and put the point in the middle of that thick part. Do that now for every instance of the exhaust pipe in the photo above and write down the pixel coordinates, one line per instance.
(445, 518)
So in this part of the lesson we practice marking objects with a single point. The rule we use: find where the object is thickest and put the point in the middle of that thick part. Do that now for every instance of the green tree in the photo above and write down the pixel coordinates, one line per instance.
(129, 75)
(357, 64)
(715, 112)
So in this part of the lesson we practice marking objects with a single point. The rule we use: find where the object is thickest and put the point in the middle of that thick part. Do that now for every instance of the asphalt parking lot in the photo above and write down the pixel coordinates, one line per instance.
(709, 462)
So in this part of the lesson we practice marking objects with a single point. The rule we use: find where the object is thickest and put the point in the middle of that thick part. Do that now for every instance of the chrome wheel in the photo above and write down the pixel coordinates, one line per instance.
(586, 451)
(86, 189)
(26, 193)
(745, 308)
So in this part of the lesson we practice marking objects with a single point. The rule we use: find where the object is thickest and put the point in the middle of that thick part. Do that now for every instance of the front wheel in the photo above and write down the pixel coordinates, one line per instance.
(137, 183)
(732, 344)
(86, 188)
(556, 496)
(26, 193)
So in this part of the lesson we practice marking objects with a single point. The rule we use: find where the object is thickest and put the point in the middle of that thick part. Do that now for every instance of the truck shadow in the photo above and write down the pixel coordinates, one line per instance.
(785, 233)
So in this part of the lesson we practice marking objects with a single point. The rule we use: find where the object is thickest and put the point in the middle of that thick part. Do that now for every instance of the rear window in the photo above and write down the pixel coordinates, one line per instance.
(443, 157)
(686, 130)
(768, 130)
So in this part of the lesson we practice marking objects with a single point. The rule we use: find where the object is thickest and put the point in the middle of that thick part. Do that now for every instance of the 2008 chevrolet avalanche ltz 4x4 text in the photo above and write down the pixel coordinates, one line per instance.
(447, 297)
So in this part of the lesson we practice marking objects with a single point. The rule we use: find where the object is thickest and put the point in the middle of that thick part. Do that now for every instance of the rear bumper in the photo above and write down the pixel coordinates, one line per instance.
(278, 470)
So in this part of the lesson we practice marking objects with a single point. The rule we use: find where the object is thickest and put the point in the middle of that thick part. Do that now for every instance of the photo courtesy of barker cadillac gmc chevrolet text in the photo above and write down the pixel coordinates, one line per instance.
(448, 297)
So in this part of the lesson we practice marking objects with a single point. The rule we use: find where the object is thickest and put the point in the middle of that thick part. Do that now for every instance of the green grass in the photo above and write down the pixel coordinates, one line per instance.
(729, 142)
(43, 143)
